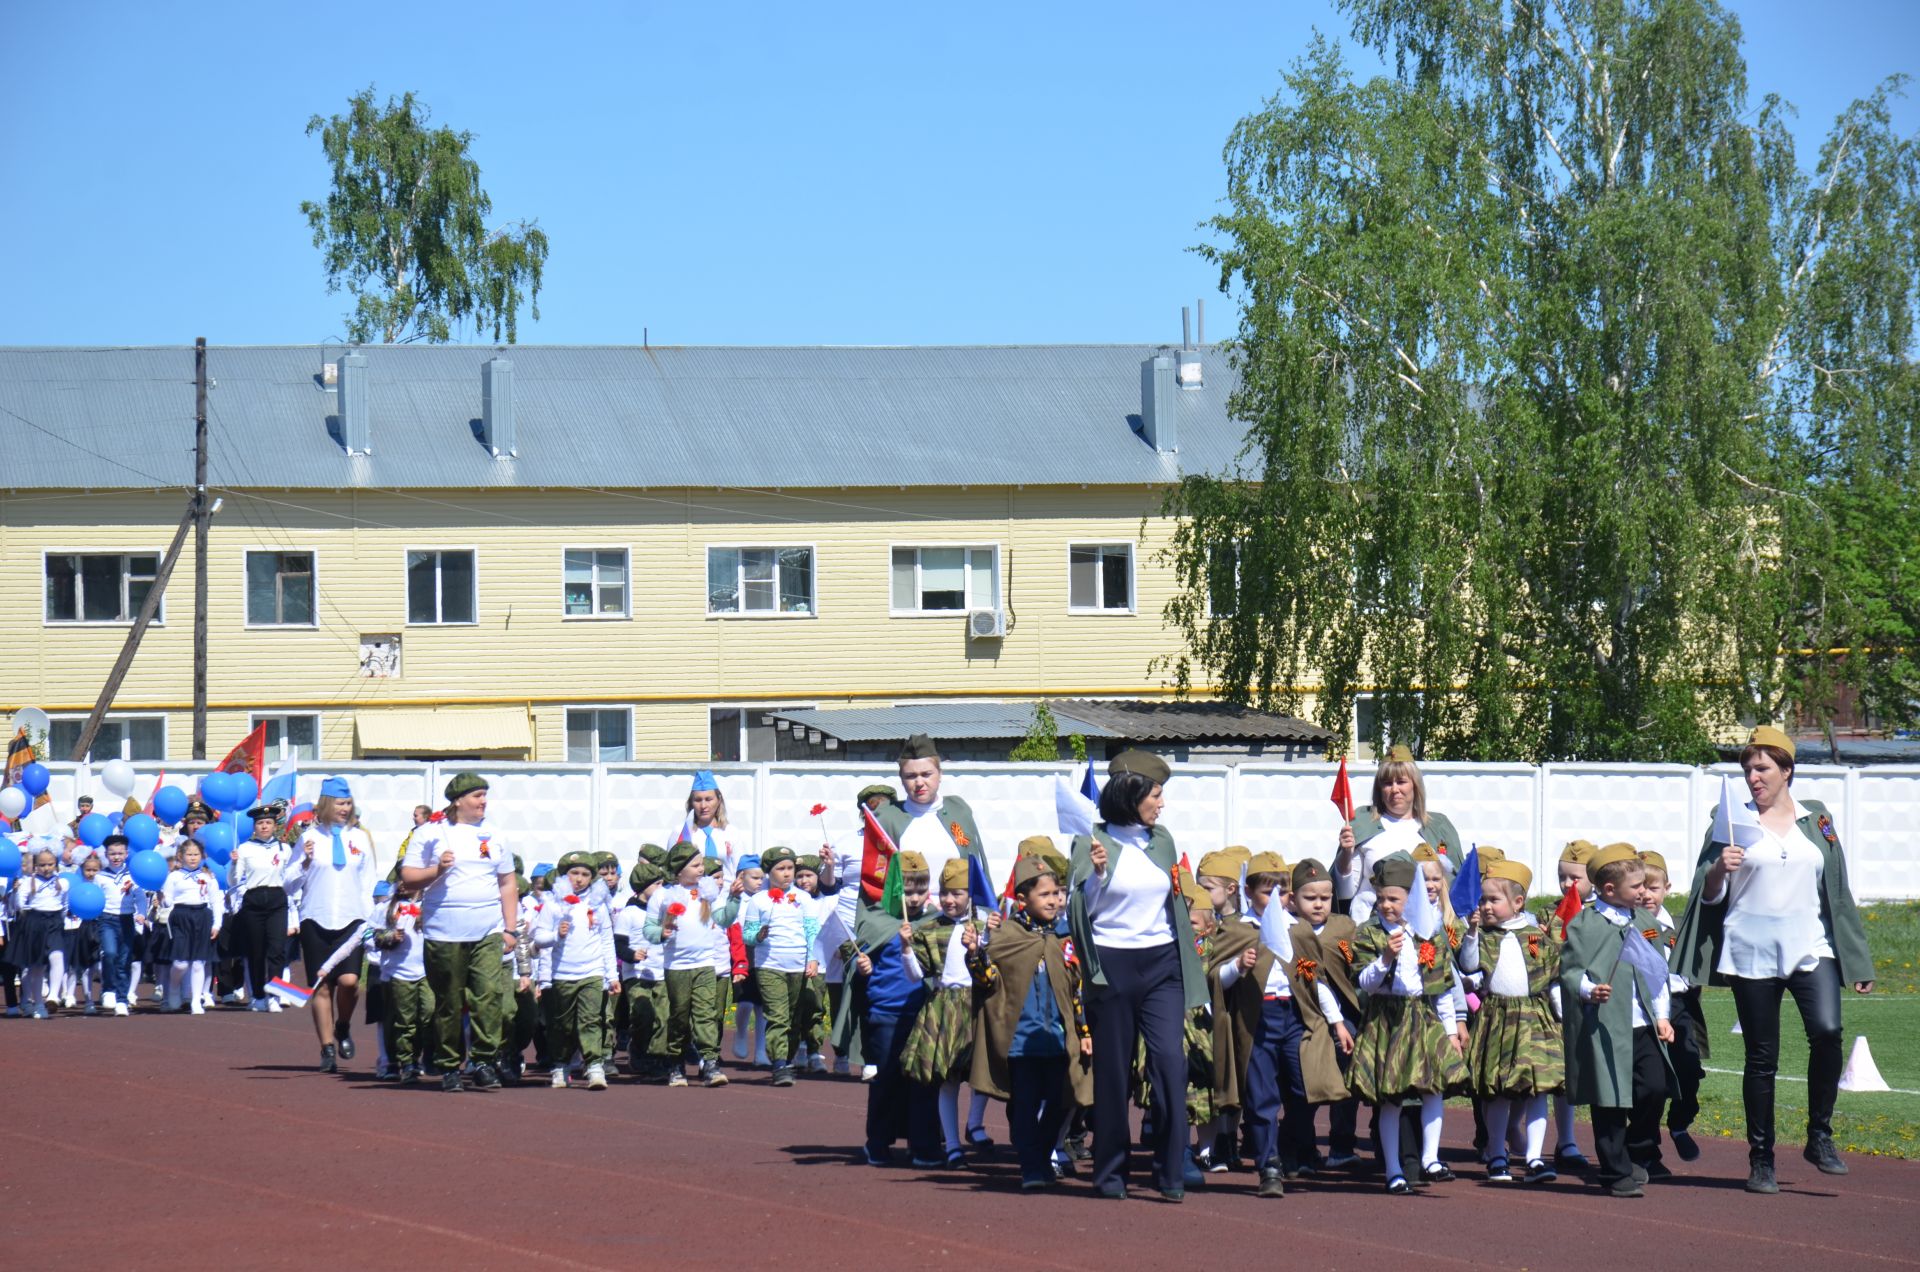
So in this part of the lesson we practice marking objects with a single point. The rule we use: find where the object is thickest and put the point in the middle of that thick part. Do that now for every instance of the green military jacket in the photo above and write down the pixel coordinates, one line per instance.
(1160, 851)
(1600, 1035)
(1438, 832)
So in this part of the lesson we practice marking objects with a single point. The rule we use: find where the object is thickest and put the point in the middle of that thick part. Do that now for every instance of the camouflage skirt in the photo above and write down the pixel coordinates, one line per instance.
(1516, 1049)
(940, 1048)
(1403, 1052)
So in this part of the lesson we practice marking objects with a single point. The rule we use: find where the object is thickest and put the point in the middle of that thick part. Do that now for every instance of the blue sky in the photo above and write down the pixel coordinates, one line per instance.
(717, 173)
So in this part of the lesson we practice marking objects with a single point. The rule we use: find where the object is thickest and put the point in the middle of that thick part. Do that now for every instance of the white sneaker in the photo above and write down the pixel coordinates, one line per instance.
(868, 1072)
(274, 1004)
(66, 1000)
(109, 999)
(199, 1009)
(120, 1009)
(596, 1077)
(208, 1000)
(558, 1080)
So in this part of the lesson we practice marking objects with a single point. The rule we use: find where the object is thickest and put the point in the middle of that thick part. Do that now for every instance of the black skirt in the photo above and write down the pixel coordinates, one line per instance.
(190, 929)
(83, 945)
(34, 935)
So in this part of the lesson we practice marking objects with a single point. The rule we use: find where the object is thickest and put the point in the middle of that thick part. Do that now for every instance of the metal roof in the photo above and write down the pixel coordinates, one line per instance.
(1188, 721)
(936, 720)
(1132, 719)
(617, 416)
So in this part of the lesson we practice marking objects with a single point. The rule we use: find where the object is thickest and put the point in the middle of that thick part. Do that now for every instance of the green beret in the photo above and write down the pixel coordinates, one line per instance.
(571, 859)
(879, 788)
(677, 858)
(807, 861)
(715, 866)
(1145, 763)
(643, 876)
(522, 883)
(465, 784)
(1395, 870)
(655, 854)
(774, 856)
(601, 860)
(919, 747)
(519, 866)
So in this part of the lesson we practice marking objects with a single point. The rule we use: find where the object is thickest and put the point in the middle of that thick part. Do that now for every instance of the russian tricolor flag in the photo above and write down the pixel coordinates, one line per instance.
(288, 992)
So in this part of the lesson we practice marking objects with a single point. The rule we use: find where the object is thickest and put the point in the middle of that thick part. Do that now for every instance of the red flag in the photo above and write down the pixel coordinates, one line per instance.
(1343, 793)
(877, 852)
(1569, 905)
(250, 756)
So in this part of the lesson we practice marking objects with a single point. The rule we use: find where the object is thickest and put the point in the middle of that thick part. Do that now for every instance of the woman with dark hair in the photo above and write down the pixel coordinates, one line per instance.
(1134, 939)
(1776, 918)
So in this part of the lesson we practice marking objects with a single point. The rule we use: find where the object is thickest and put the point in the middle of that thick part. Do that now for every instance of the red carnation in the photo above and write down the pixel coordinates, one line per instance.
(573, 900)
(776, 896)
(817, 810)
(675, 910)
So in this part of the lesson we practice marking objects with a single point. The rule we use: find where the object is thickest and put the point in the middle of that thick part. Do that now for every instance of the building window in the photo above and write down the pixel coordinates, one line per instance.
(599, 735)
(87, 588)
(280, 589)
(1100, 577)
(744, 733)
(1223, 581)
(132, 738)
(1370, 737)
(594, 583)
(440, 587)
(760, 581)
(291, 736)
(945, 580)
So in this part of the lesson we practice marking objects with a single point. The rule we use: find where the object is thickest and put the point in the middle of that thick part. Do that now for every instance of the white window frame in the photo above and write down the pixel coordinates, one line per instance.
(746, 708)
(1099, 580)
(748, 545)
(246, 620)
(406, 589)
(594, 615)
(625, 709)
(919, 546)
(159, 613)
(119, 717)
(1363, 745)
(1207, 586)
(256, 718)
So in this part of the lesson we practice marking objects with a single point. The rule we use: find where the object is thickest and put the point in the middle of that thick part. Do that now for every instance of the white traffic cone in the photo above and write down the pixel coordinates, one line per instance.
(1736, 1027)
(1861, 1073)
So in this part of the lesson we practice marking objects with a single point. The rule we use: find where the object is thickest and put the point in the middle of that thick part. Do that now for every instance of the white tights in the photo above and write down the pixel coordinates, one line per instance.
(192, 975)
(950, 1114)
(1500, 1112)
(1431, 1108)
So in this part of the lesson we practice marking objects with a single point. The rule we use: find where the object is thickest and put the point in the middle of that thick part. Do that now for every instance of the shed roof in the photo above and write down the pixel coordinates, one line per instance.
(1133, 719)
(615, 416)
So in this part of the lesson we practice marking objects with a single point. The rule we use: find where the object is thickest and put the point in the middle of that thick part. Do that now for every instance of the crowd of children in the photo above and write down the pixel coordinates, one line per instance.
(1398, 1011)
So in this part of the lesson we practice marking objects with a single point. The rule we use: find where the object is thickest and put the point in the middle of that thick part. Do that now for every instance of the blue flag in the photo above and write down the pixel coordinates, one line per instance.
(1465, 893)
(979, 887)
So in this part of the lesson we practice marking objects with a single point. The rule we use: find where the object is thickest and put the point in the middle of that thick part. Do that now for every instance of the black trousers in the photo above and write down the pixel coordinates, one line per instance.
(1037, 1105)
(1684, 1052)
(260, 936)
(1816, 992)
(896, 1105)
(1142, 999)
(1274, 1084)
(1624, 1137)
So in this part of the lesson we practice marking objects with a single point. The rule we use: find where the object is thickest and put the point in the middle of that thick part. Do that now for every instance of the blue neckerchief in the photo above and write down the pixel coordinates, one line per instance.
(339, 848)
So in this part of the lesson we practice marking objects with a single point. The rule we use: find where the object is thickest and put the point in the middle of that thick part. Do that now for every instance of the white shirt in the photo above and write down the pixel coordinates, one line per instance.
(31, 892)
(1773, 926)
(927, 835)
(630, 921)
(1128, 904)
(788, 944)
(690, 944)
(406, 961)
(586, 951)
(1401, 977)
(1662, 1000)
(261, 865)
(1397, 834)
(335, 896)
(463, 904)
(198, 888)
(124, 896)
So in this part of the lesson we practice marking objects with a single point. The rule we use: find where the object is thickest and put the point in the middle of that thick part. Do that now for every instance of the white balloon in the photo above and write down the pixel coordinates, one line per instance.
(13, 802)
(117, 777)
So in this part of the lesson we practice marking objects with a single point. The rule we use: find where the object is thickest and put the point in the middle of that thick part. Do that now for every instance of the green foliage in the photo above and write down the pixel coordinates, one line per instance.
(1574, 408)
(405, 231)
(1043, 736)
(1078, 741)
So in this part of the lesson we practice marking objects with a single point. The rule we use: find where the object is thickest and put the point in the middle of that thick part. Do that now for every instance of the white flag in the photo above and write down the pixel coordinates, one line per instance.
(1075, 803)
(1733, 822)
(1423, 916)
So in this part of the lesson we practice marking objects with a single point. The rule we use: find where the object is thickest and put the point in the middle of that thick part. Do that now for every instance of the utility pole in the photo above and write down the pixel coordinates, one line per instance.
(202, 515)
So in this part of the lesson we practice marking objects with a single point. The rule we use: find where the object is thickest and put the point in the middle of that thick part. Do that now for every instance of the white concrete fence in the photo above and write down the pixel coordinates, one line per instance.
(1529, 811)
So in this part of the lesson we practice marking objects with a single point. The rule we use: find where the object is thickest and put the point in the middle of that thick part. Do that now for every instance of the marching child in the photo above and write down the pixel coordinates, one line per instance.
(403, 970)
(576, 929)
(1689, 1049)
(1321, 940)
(1615, 1062)
(684, 920)
(895, 990)
(34, 944)
(1218, 875)
(120, 923)
(813, 998)
(1034, 1048)
(194, 907)
(1516, 1056)
(642, 975)
(83, 941)
(1406, 1051)
(748, 1017)
(939, 1049)
(1570, 873)
(777, 925)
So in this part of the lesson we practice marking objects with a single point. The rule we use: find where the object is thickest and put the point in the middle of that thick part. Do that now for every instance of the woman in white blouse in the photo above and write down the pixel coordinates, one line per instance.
(1134, 939)
(1772, 919)
(332, 876)
(1398, 820)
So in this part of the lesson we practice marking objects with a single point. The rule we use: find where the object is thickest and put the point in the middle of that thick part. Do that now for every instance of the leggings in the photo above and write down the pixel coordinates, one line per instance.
(1816, 992)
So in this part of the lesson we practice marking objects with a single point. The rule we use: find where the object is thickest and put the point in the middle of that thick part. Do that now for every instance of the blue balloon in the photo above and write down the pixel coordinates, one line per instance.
(9, 861)
(71, 876)
(142, 832)
(217, 790)
(217, 839)
(34, 779)
(170, 804)
(85, 900)
(244, 791)
(149, 869)
(114, 819)
(93, 828)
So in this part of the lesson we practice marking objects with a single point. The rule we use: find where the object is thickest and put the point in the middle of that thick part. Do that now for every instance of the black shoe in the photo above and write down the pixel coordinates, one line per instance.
(1438, 1173)
(327, 1064)
(410, 1073)
(782, 1075)
(1036, 1183)
(1077, 1148)
(451, 1081)
(1272, 1184)
(1760, 1174)
(1399, 1187)
(1569, 1157)
(485, 1078)
(1628, 1187)
(1656, 1173)
(1498, 1172)
(1821, 1152)
(344, 1040)
(1114, 1191)
(1174, 1195)
(1686, 1146)
(979, 1141)
(1540, 1171)
(957, 1159)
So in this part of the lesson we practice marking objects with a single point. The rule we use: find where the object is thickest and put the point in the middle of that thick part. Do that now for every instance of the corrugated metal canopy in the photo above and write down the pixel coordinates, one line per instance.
(1188, 721)
(443, 731)
(613, 416)
(936, 720)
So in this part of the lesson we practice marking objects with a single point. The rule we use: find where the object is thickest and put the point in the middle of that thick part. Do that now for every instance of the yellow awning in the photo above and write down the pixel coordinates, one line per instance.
(444, 731)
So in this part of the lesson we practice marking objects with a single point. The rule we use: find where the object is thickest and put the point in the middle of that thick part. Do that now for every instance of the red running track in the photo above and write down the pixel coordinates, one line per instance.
(209, 1142)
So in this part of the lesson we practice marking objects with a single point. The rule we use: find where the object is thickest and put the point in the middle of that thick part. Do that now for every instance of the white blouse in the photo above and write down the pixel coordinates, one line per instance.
(1128, 905)
(1397, 834)
(1773, 926)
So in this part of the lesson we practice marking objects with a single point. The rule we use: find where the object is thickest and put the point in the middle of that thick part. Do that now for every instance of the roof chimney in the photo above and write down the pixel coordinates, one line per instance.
(356, 407)
(496, 407)
(1188, 371)
(1157, 421)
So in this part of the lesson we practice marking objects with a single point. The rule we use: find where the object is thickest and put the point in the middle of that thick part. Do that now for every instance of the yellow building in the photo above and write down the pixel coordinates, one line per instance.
(591, 553)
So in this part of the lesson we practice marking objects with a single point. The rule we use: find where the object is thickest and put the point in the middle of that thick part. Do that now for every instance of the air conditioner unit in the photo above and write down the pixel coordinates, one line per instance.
(986, 624)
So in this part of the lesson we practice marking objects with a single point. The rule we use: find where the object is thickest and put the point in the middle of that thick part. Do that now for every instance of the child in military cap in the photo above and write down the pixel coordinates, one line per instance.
(1571, 872)
(642, 974)
(812, 1053)
(777, 926)
(575, 930)
(684, 917)
(894, 990)
(1321, 940)
(939, 1049)
(1689, 1048)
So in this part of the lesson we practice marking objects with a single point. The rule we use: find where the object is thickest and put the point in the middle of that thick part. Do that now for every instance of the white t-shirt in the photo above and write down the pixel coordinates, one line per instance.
(1128, 905)
(788, 946)
(927, 835)
(463, 904)
(691, 943)
(334, 896)
(408, 960)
